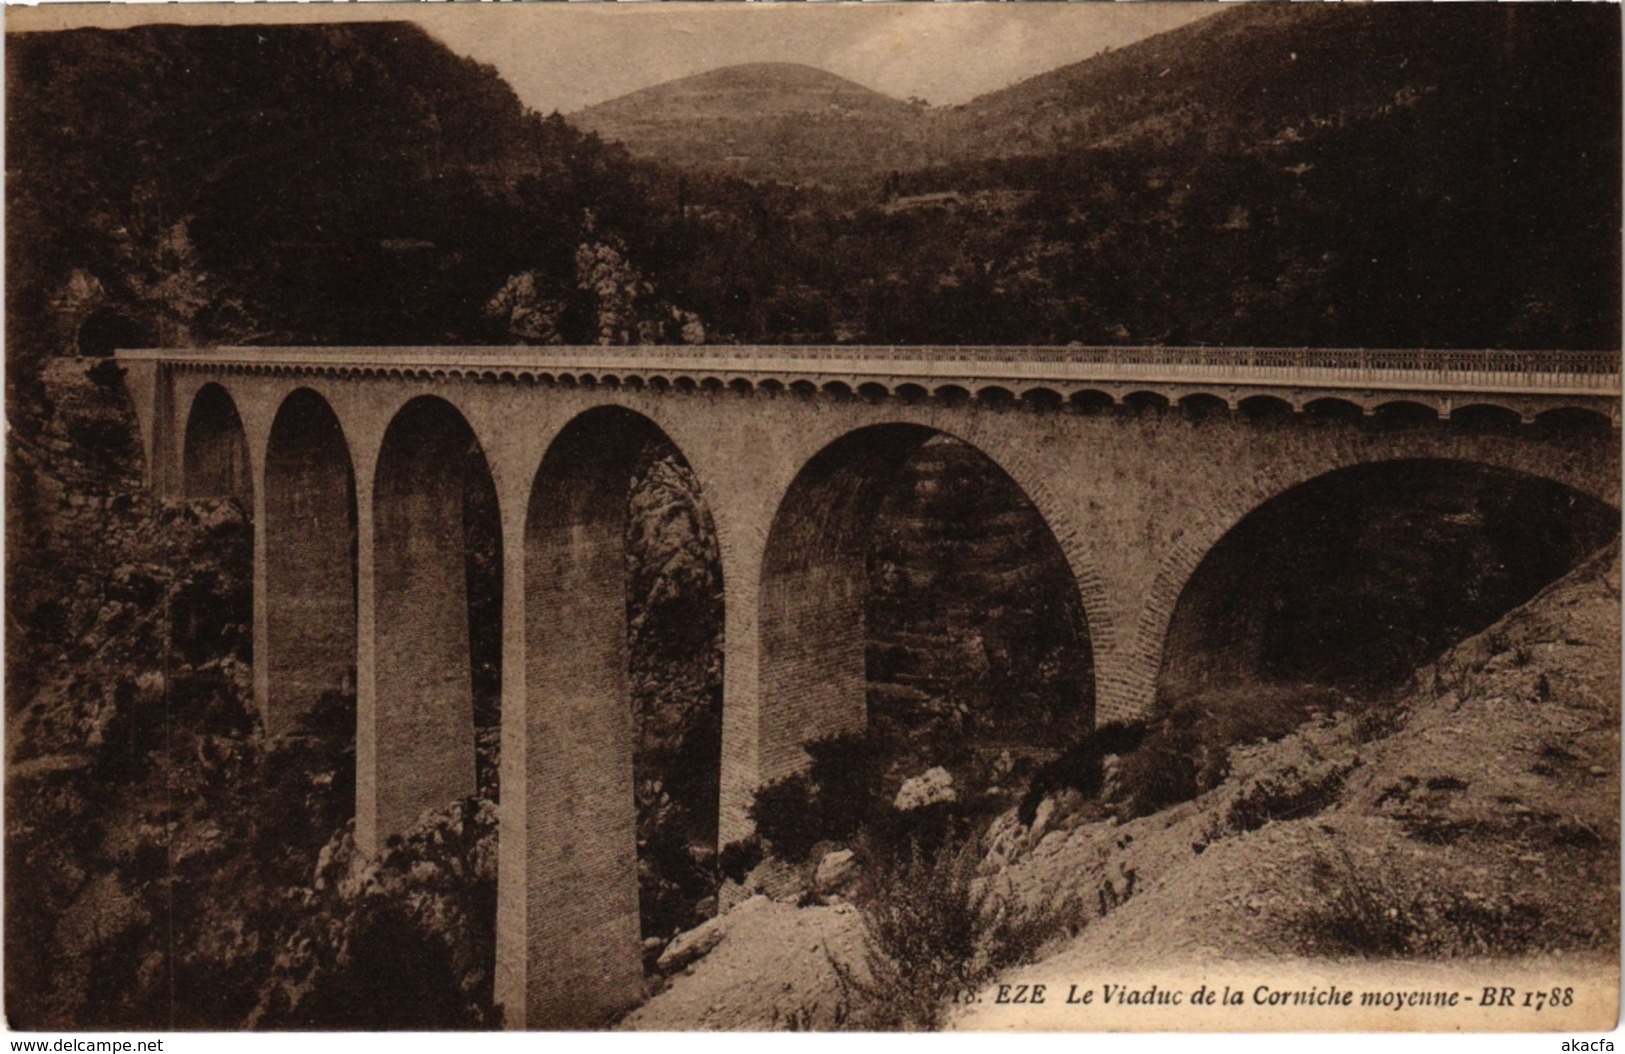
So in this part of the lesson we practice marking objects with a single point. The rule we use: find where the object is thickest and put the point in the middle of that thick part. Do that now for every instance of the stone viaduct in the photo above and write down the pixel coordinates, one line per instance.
(354, 460)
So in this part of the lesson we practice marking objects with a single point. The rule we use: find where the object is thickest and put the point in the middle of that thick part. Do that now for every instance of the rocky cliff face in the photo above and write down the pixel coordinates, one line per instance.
(155, 835)
(152, 835)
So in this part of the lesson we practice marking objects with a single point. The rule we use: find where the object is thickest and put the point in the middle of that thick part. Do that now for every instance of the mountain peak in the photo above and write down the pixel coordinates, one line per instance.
(792, 87)
(750, 119)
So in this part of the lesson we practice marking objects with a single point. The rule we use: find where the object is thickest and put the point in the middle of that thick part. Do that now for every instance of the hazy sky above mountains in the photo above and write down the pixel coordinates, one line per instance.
(567, 56)
(945, 53)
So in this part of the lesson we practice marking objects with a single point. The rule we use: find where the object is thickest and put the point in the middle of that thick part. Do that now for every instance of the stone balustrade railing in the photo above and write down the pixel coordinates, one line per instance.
(1590, 372)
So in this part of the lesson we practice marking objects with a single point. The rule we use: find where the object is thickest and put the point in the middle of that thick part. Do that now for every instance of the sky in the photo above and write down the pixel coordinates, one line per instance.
(565, 56)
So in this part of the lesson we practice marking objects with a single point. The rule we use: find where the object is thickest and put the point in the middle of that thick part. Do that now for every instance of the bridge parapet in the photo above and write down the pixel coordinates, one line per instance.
(1597, 371)
(1528, 383)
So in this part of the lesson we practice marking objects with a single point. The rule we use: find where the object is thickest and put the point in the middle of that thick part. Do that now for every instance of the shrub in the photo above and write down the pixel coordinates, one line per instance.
(1378, 721)
(891, 835)
(1494, 926)
(1360, 913)
(829, 802)
(738, 859)
(845, 774)
(787, 817)
(932, 930)
(1187, 750)
(406, 942)
(1080, 766)
(1363, 912)
(106, 444)
(672, 881)
(925, 921)
(108, 375)
(1285, 795)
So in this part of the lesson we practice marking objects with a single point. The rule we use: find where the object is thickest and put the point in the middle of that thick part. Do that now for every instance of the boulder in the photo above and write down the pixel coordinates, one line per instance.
(1040, 824)
(1002, 767)
(776, 879)
(929, 788)
(837, 872)
(692, 945)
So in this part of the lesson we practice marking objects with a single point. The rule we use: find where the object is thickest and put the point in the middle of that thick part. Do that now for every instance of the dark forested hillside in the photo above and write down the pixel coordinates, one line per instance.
(334, 184)
(1257, 70)
(1431, 175)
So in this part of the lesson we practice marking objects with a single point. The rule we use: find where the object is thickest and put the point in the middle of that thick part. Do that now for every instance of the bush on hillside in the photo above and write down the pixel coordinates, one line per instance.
(1186, 751)
(831, 801)
(846, 771)
(404, 942)
(787, 817)
(1080, 767)
(933, 931)
(738, 859)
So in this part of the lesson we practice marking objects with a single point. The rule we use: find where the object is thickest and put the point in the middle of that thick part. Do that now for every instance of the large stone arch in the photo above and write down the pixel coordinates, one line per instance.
(814, 583)
(1589, 468)
(215, 458)
(569, 943)
(309, 523)
(415, 748)
(1355, 578)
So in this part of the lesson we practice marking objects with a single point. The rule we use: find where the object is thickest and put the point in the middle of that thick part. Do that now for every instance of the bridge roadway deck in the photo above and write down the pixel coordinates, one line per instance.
(1593, 374)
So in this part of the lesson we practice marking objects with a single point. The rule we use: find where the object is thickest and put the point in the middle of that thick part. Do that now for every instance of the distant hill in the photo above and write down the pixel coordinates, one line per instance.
(1261, 71)
(781, 121)
(1438, 175)
(1255, 75)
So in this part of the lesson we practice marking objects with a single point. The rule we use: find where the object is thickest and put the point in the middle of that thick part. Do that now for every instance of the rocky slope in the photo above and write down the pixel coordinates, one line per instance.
(1484, 806)
(1474, 817)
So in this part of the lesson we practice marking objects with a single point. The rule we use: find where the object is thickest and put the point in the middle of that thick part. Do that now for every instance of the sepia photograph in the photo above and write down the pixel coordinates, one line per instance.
(835, 517)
